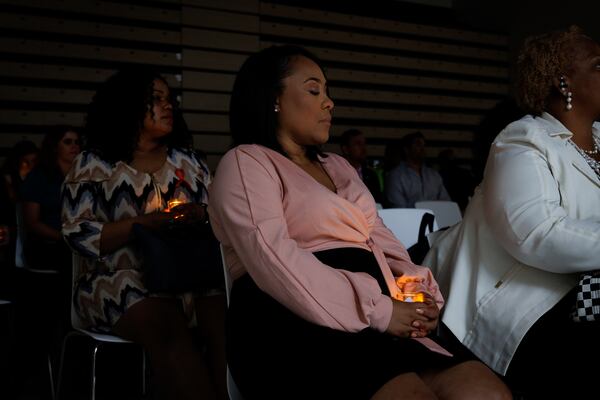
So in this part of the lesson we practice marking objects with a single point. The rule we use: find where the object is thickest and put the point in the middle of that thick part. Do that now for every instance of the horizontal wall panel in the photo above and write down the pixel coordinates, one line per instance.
(219, 40)
(207, 122)
(25, 117)
(87, 28)
(207, 81)
(66, 73)
(212, 60)
(250, 6)
(384, 133)
(431, 152)
(376, 41)
(106, 8)
(387, 77)
(9, 139)
(213, 161)
(415, 81)
(57, 72)
(381, 114)
(205, 101)
(206, 18)
(402, 97)
(58, 49)
(212, 143)
(389, 25)
(220, 102)
(45, 94)
(384, 60)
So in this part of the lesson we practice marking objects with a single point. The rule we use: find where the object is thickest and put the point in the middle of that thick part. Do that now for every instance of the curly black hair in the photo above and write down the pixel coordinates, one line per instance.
(117, 111)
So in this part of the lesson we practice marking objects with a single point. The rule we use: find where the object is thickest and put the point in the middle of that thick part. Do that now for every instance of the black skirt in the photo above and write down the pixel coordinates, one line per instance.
(274, 354)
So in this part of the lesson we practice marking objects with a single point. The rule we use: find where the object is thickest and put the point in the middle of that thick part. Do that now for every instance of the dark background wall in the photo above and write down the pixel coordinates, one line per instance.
(394, 67)
(520, 19)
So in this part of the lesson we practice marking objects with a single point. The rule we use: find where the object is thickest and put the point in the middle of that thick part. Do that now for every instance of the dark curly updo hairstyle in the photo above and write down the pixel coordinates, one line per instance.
(116, 115)
(542, 59)
(252, 118)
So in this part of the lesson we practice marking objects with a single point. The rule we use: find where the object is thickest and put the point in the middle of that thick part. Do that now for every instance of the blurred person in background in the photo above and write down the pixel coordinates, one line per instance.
(43, 246)
(354, 149)
(458, 181)
(20, 161)
(411, 180)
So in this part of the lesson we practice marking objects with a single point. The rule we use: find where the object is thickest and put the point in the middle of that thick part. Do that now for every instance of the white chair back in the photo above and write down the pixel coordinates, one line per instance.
(228, 281)
(404, 223)
(98, 338)
(20, 261)
(19, 255)
(232, 389)
(447, 213)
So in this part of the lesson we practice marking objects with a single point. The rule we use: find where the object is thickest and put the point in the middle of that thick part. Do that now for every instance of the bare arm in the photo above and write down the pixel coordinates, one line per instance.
(31, 219)
(117, 234)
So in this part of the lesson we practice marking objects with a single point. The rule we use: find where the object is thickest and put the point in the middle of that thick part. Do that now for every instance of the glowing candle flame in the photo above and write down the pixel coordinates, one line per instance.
(173, 203)
(411, 297)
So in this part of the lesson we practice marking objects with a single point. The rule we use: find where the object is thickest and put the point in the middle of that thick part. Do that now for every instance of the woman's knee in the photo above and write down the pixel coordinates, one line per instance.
(210, 314)
(153, 321)
(404, 386)
(470, 380)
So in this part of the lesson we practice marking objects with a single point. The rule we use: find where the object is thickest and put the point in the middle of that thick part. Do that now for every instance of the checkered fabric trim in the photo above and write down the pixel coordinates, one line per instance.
(587, 306)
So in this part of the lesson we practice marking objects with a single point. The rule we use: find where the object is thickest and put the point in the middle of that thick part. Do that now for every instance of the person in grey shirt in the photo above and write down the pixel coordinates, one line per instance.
(412, 180)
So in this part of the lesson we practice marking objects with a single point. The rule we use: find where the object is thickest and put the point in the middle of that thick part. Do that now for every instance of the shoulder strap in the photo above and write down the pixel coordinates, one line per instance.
(426, 223)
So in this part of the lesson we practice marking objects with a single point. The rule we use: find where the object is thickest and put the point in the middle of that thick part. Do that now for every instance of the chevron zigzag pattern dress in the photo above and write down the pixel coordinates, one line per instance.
(96, 192)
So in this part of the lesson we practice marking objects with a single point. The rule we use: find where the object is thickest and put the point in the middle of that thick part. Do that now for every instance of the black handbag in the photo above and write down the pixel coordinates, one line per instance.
(418, 251)
(182, 258)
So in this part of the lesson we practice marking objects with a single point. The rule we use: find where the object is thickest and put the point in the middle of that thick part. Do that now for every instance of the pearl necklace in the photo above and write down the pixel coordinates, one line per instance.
(595, 150)
(595, 165)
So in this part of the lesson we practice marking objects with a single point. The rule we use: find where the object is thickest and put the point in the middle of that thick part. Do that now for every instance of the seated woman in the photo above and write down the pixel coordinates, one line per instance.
(44, 247)
(19, 163)
(313, 311)
(41, 237)
(139, 157)
(509, 270)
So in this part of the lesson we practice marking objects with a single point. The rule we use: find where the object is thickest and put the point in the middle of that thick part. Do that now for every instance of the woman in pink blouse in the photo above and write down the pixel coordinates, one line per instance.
(312, 312)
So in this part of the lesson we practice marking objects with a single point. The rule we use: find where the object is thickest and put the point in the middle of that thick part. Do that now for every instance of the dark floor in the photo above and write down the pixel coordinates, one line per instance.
(26, 374)
(33, 327)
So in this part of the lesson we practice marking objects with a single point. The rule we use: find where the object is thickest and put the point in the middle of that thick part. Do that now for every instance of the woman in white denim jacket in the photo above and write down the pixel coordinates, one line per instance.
(509, 270)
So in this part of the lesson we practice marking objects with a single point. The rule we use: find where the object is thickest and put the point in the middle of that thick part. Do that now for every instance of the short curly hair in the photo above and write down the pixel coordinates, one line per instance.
(542, 59)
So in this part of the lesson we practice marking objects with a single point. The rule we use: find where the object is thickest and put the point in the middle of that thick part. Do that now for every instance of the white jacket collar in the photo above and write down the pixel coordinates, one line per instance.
(556, 128)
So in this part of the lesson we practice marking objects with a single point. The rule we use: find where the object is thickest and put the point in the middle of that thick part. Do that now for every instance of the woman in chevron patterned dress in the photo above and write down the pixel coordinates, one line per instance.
(138, 157)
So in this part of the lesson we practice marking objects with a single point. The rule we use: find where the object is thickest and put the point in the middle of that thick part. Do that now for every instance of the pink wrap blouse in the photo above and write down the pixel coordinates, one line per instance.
(270, 216)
